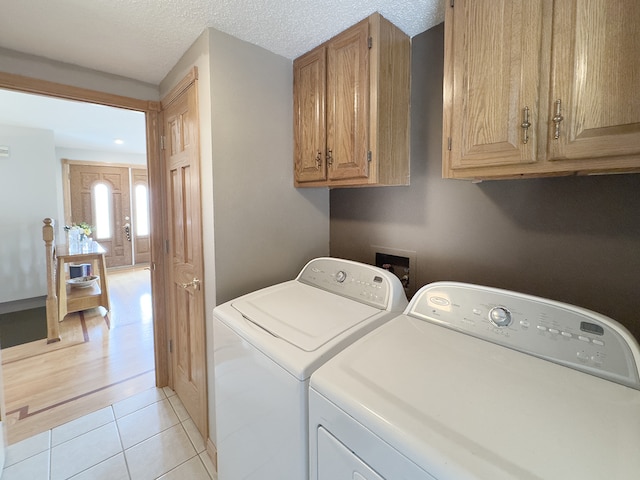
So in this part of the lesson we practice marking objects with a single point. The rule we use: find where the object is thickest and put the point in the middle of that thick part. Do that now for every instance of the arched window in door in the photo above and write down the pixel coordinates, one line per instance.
(102, 211)
(142, 210)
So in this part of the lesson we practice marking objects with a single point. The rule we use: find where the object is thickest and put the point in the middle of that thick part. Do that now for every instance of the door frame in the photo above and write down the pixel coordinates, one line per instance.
(151, 109)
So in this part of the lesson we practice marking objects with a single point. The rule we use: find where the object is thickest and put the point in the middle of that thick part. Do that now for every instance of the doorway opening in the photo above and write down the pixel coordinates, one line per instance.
(150, 110)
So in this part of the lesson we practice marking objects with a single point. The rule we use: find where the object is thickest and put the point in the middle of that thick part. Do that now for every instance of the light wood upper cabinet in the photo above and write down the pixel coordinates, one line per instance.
(351, 108)
(541, 87)
(309, 80)
(595, 72)
(495, 64)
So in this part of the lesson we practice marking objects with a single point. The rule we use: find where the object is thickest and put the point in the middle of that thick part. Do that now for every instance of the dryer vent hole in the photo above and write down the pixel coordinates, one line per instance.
(397, 265)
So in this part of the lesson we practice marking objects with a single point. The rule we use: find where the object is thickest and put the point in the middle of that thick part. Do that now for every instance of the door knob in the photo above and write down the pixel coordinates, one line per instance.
(193, 283)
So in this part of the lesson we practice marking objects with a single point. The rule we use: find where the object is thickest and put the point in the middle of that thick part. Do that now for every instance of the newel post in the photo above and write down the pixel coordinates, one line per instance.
(48, 235)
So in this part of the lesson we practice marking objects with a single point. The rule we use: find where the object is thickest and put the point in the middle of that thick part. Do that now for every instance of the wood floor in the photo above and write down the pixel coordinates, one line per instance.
(103, 357)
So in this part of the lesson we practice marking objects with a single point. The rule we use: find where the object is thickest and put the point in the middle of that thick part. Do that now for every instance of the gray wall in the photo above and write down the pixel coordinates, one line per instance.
(265, 229)
(573, 239)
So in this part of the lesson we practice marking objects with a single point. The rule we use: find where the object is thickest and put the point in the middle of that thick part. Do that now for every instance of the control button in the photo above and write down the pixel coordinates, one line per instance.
(597, 361)
(525, 323)
(541, 328)
(554, 330)
(582, 338)
(341, 276)
(500, 316)
(566, 334)
(477, 311)
(598, 342)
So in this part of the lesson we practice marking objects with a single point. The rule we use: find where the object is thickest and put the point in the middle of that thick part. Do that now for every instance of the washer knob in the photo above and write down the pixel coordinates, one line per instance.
(500, 316)
(341, 276)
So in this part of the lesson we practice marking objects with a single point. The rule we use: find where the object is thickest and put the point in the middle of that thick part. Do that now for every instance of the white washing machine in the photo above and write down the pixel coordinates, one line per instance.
(267, 344)
(478, 383)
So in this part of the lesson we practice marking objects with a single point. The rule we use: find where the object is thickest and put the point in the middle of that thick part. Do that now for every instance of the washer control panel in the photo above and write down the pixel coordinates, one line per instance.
(357, 281)
(558, 332)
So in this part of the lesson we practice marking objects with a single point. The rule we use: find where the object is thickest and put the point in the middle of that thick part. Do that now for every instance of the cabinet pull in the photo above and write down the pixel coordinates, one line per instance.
(329, 157)
(525, 125)
(319, 159)
(557, 118)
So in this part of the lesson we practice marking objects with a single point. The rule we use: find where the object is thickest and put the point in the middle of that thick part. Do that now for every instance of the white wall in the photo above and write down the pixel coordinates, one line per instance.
(28, 194)
(100, 156)
(258, 229)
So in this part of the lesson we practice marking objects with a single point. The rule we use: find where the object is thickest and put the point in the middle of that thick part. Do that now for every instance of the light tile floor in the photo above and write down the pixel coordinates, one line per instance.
(147, 436)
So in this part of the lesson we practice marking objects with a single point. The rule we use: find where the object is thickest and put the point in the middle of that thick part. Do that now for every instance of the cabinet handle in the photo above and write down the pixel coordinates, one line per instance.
(557, 118)
(525, 124)
(329, 157)
(319, 159)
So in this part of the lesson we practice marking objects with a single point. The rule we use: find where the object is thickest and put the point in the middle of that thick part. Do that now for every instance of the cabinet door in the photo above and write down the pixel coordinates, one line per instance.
(348, 103)
(492, 68)
(595, 76)
(309, 116)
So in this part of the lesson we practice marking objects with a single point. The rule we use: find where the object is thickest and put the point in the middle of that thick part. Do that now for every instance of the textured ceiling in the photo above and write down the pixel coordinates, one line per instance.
(144, 39)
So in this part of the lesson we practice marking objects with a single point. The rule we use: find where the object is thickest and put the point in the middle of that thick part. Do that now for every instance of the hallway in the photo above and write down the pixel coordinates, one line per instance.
(103, 358)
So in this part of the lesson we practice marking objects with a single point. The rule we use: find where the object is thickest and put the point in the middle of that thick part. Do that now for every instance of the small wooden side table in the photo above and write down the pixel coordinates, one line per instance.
(77, 299)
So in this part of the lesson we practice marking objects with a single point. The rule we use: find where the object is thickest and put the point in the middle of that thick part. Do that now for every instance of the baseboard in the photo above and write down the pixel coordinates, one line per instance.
(23, 304)
(212, 451)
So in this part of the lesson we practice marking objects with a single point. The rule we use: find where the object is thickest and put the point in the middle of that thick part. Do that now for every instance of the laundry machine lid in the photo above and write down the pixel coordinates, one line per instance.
(462, 407)
(304, 316)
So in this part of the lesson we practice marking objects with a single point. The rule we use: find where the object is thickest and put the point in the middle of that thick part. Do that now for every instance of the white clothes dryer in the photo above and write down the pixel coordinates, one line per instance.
(266, 346)
(474, 382)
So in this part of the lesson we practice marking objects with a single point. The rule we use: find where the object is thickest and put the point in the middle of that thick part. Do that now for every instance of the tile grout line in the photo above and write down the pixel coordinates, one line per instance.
(122, 449)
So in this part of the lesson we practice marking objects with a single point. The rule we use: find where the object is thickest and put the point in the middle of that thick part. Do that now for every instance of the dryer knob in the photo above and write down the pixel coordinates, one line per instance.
(341, 276)
(500, 316)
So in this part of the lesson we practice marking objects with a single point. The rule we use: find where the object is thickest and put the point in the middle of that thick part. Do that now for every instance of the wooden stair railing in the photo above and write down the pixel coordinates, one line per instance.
(48, 235)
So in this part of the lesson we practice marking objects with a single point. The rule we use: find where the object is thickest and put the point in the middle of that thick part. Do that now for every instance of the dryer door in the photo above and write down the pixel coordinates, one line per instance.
(337, 462)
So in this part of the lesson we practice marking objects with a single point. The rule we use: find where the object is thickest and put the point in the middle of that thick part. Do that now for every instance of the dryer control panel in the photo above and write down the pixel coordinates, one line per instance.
(357, 281)
(558, 332)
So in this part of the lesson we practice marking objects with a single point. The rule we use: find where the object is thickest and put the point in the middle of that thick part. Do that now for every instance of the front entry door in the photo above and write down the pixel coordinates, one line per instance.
(97, 191)
(184, 229)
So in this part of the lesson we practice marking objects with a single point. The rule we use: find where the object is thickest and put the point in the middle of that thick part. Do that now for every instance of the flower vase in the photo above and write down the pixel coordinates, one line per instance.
(73, 240)
(85, 243)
